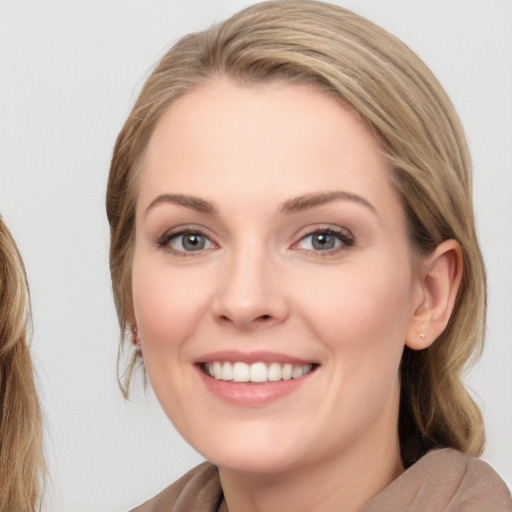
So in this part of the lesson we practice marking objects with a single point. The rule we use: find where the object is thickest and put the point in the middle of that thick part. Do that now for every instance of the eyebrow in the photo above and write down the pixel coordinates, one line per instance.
(289, 207)
(191, 202)
(307, 201)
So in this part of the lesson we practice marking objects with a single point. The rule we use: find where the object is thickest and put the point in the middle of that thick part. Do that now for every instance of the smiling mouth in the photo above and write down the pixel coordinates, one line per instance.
(258, 372)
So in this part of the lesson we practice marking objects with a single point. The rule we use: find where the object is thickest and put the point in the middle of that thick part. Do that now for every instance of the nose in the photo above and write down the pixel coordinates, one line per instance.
(250, 294)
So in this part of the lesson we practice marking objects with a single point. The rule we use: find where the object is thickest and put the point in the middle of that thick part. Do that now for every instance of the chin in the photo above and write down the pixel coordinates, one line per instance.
(255, 448)
(254, 460)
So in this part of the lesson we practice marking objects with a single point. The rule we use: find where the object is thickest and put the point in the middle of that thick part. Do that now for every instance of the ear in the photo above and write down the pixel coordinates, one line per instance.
(438, 287)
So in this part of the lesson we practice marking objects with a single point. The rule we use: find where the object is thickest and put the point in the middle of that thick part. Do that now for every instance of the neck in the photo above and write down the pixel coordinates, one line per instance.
(341, 482)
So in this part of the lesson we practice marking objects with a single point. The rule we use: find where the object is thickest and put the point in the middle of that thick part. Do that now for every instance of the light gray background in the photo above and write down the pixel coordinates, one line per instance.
(70, 70)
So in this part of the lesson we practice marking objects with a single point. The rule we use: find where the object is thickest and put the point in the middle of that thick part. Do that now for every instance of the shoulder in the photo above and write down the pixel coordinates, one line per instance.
(480, 486)
(472, 480)
(197, 490)
(445, 480)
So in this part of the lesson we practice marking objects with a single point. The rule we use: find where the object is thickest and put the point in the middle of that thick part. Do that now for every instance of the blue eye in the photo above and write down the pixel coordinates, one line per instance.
(189, 241)
(324, 241)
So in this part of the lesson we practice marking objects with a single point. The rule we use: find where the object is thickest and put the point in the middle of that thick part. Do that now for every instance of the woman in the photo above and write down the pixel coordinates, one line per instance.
(293, 255)
(21, 454)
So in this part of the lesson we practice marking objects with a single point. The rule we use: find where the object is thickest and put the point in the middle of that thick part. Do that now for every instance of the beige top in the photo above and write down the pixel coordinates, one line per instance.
(441, 481)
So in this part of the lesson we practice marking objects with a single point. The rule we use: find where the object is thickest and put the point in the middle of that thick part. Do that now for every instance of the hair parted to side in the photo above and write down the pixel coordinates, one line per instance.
(22, 466)
(396, 95)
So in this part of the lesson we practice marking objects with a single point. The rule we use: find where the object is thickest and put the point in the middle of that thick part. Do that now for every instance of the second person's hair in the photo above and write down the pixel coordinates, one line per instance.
(22, 466)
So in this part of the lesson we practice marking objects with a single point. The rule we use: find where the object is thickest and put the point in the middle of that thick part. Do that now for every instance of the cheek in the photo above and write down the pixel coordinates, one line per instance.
(166, 302)
(362, 309)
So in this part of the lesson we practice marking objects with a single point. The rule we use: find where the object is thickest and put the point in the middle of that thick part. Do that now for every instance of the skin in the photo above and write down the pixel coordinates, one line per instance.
(259, 284)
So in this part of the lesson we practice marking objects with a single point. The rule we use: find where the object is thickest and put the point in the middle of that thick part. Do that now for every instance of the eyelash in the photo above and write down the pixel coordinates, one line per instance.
(346, 238)
(164, 241)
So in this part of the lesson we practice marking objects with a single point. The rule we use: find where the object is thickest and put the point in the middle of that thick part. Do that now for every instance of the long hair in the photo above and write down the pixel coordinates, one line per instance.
(22, 466)
(344, 55)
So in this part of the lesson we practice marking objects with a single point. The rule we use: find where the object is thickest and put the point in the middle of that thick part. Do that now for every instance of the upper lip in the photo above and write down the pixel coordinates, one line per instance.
(250, 357)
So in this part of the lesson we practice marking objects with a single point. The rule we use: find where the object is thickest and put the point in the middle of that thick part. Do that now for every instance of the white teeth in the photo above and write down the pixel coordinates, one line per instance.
(297, 372)
(274, 372)
(287, 371)
(256, 372)
(217, 370)
(240, 372)
(227, 372)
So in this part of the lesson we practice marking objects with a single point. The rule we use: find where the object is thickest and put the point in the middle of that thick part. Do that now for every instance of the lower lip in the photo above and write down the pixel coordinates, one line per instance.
(251, 394)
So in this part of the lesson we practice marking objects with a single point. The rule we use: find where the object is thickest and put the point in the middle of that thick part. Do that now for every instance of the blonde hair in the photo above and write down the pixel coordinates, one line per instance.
(396, 95)
(22, 466)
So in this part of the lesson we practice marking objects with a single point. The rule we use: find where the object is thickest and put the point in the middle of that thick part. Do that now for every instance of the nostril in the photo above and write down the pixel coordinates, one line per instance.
(245, 321)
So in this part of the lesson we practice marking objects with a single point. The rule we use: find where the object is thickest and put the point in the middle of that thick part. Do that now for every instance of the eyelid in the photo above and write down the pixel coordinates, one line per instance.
(162, 241)
(344, 235)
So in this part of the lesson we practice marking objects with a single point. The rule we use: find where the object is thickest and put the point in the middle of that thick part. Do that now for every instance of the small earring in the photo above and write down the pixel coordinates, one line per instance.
(135, 336)
(422, 335)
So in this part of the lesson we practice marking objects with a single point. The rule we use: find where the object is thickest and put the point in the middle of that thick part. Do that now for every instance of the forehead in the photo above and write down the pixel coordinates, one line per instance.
(260, 139)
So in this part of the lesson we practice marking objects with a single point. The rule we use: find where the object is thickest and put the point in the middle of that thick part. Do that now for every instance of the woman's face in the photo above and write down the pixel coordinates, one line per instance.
(270, 244)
